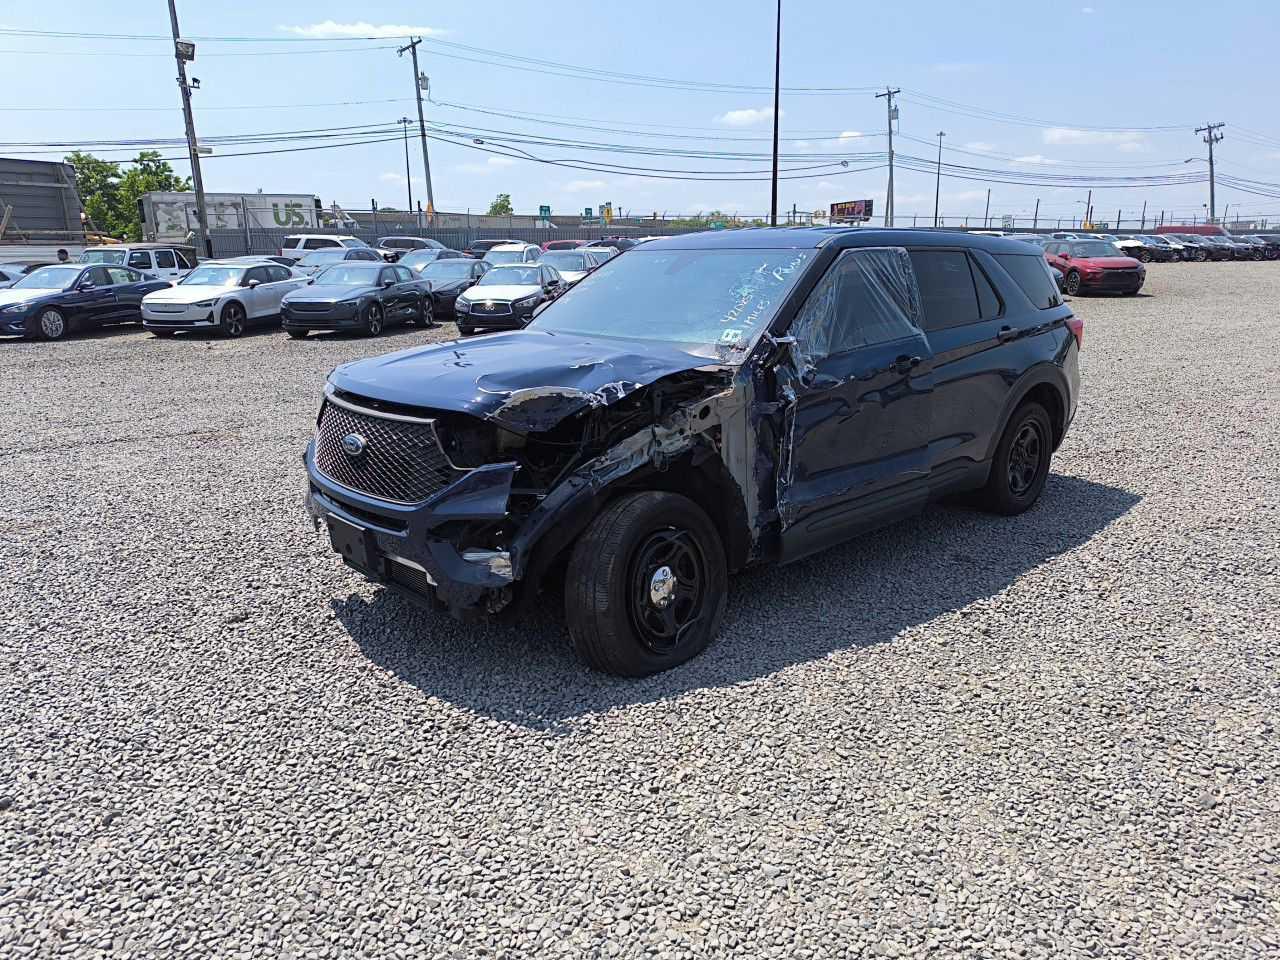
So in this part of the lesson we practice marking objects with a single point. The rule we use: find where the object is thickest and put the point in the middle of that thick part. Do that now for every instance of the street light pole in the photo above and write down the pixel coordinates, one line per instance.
(937, 190)
(418, 82)
(777, 91)
(193, 147)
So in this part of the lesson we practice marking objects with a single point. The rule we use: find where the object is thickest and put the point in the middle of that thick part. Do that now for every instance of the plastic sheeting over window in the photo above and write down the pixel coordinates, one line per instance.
(868, 296)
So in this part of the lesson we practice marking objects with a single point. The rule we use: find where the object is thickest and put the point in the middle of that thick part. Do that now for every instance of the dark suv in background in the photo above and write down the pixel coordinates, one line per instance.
(702, 404)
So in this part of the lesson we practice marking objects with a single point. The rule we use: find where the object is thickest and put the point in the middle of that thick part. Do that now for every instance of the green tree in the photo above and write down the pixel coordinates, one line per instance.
(501, 206)
(110, 194)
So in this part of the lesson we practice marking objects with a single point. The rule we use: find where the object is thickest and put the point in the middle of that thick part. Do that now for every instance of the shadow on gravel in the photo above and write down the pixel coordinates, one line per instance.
(862, 593)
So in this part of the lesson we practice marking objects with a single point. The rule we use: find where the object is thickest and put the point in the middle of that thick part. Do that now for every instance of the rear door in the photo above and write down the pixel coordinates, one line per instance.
(855, 445)
(127, 287)
(166, 265)
(141, 260)
(971, 330)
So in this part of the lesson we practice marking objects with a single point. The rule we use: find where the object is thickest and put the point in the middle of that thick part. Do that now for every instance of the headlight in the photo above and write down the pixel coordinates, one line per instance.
(13, 308)
(463, 306)
(529, 301)
(205, 303)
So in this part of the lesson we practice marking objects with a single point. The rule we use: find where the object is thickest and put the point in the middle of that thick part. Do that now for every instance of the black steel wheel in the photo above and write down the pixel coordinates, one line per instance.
(1021, 463)
(233, 320)
(646, 585)
(1073, 282)
(373, 320)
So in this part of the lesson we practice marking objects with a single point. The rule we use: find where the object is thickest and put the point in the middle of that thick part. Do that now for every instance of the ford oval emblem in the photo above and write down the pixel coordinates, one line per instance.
(353, 444)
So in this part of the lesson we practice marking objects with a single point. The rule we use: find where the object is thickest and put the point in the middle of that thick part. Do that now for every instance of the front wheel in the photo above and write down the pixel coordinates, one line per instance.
(1202, 256)
(233, 319)
(1073, 283)
(465, 330)
(647, 584)
(1021, 464)
(1144, 256)
(373, 320)
(426, 312)
(52, 324)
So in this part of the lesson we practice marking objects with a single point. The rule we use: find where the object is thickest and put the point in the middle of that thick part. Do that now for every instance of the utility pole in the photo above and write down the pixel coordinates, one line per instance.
(404, 122)
(889, 94)
(1035, 219)
(937, 189)
(420, 81)
(1088, 211)
(986, 214)
(182, 52)
(1211, 136)
(777, 81)
(1144, 216)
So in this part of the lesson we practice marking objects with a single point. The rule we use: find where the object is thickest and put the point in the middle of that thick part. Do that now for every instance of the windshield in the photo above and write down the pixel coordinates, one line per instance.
(505, 256)
(447, 269)
(396, 243)
(709, 302)
(103, 256)
(214, 276)
(1094, 248)
(353, 242)
(351, 275)
(49, 278)
(419, 256)
(566, 261)
(511, 274)
(321, 256)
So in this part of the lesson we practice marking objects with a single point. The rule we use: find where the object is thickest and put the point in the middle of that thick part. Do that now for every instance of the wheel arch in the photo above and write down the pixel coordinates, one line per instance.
(1045, 384)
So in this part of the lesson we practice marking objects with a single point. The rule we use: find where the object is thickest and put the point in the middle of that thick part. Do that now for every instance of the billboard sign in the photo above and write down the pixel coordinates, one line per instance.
(852, 210)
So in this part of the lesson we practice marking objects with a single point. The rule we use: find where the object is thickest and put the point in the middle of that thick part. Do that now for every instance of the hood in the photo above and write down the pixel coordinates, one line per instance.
(572, 276)
(330, 292)
(526, 380)
(437, 286)
(1108, 263)
(188, 293)
(502, 292)
(24, 295)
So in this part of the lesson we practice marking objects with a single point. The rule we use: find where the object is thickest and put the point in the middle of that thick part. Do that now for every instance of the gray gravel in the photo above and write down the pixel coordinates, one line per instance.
(1047, 736)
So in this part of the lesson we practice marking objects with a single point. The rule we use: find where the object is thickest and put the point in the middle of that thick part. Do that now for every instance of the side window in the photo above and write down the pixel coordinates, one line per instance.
(100, 277)
(140, 259)
(364, 255)
(1031, 274)
(164, 260)
(403, 274)
(257, 273)
(868, 296)
(989, 305)
(479, 268)
(120, 275)
(946, 288)
(182, 261)
(319, 243)
(387, 276)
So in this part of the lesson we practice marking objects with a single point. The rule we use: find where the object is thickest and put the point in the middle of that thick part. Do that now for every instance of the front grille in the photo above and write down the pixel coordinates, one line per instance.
(1120, 279)
(491, 309)
(401, 461)
(301, 306)
(410, 577)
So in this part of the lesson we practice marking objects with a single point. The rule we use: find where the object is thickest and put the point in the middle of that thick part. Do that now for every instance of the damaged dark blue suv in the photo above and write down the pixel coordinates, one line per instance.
(702, 404)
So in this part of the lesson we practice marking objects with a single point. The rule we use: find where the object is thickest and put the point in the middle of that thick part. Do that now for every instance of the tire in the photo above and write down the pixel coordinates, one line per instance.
(465, 330)
(1072, 283)
(373, 320)
(52, 324)
(426, 312)
(647, 585)
(233, 320)
(163, 334)
(297, 334)
(1144, 256)
(1021, 464)
(1202, 256)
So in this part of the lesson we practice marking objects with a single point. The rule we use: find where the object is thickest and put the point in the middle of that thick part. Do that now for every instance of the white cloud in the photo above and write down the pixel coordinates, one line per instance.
(1035, 158)
(850, 135)
(489, 166)
(1066, 135)
(583, 186)
(1086, 10)
(801, 144)
(1133, 147)
(824, 185)
(747, 117)
(981, 146)
(361, 28)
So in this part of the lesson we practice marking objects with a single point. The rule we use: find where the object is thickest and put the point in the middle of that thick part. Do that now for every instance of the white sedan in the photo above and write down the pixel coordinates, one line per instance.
(222, 295)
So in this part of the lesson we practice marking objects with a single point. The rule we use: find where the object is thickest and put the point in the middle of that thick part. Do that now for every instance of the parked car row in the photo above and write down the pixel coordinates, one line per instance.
(1167, 247)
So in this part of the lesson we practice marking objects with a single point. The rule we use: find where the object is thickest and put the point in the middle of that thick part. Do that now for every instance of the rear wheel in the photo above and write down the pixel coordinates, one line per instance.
(233, 319)
(426, 312)
(1144, 256)
(1021, 464)
(647, 584)
(1073, 282)
(1202, 256)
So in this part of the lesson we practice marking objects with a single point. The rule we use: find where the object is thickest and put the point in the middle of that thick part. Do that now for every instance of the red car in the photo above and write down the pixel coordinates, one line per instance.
(1094, 266)
(563, 244)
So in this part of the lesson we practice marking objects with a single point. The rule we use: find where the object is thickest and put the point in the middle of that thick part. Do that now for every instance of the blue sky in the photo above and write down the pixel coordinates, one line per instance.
(1177, 64)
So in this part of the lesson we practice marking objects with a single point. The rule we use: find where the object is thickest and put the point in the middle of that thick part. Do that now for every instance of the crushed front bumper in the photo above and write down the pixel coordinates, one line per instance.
(405, 546)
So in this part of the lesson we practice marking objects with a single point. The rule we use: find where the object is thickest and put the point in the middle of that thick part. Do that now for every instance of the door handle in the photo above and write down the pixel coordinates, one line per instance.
(904, 364)
(1005, 334)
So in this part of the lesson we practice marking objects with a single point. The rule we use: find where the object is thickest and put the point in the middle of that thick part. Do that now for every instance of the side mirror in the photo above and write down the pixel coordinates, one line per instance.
(1065, 256)
(388, 283)
(85, 285)
(252, 283)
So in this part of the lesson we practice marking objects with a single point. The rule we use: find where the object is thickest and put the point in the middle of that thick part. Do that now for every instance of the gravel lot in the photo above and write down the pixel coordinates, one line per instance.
(1047, 736)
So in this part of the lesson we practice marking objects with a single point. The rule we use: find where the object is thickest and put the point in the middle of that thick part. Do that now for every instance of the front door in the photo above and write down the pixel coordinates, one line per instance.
(95, 299)
(855, 447)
